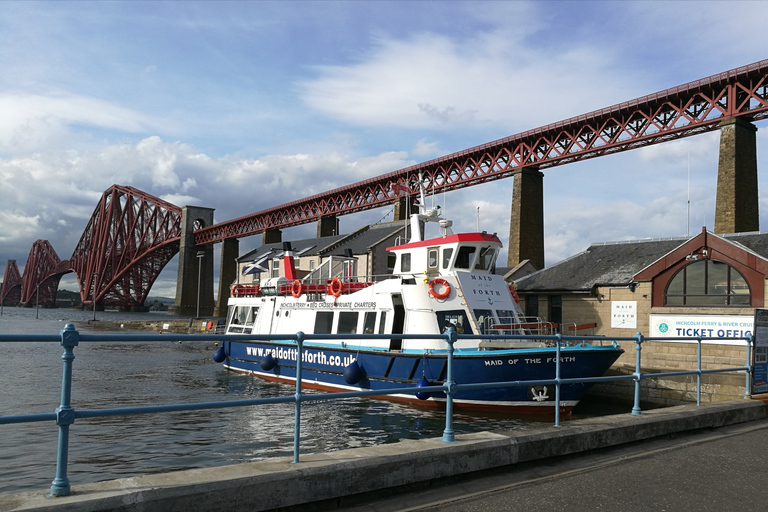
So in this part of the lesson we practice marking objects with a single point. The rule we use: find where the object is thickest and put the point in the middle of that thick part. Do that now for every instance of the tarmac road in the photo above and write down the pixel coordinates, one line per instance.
(719, 470)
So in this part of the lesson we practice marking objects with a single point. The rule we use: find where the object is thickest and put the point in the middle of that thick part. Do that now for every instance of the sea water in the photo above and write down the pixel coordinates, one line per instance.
(109, 375)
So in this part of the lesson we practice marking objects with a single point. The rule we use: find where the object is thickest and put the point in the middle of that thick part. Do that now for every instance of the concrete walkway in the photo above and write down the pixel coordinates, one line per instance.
(326, 477)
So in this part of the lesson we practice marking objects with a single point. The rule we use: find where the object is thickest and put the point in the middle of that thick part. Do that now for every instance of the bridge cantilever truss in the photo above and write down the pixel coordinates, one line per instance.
(689, 109)
(130, 238)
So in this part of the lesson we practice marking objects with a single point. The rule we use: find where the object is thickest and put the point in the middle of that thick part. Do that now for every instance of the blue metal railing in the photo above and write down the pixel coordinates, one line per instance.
(69, 338)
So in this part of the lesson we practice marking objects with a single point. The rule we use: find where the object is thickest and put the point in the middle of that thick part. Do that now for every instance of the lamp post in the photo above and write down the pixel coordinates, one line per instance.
(200, 255)
(1, 297)
(95, 275)
(37, 302)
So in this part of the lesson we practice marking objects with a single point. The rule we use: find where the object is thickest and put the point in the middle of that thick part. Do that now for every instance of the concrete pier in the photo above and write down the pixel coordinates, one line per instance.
(320, 479)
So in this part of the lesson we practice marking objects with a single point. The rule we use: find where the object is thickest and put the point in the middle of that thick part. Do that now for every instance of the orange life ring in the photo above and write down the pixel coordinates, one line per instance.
(296, 288)
(335, 287)
(513, 291)
(446, 288)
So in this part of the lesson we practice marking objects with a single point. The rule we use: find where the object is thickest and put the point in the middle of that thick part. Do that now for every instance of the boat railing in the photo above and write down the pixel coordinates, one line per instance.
(69, 338)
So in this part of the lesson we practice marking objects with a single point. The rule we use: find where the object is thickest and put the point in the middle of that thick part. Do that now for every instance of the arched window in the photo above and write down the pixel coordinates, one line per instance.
(707, 283)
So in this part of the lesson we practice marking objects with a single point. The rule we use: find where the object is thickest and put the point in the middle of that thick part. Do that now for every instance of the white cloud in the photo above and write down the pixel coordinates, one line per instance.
(35, 122)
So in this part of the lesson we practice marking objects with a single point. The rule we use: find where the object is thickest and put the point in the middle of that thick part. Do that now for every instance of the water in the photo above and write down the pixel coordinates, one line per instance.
(109, 375)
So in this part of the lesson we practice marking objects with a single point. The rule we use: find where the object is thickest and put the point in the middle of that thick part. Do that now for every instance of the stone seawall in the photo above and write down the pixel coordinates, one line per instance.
(177, 326)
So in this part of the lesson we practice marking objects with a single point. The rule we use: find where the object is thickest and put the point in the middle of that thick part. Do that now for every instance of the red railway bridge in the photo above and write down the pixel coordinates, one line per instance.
(132, 235)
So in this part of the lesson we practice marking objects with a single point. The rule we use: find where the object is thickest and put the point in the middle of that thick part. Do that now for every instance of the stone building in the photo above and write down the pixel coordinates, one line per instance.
(368, 245)
(707, 285)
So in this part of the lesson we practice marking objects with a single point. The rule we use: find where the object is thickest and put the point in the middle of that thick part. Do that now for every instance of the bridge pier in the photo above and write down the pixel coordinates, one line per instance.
(230, 250)
(736, 206)
(526, 226)
(327, 226)
(195, 265)
(271, 236)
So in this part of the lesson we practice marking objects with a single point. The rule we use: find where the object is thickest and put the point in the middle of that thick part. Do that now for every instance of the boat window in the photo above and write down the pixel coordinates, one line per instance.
(456, 318)
(243, 318)
(465, 256)
(484, 319)
(383, 322)
(432, 258)
(447, 253)
(506, 316)
(369, 322)
(486, 259)
(405, 263)
(323, 322)
(347, 323)
(391, 260)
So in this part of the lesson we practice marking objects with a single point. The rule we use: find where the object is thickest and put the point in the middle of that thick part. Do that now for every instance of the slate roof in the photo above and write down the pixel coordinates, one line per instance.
(618, 262)
(359, 241)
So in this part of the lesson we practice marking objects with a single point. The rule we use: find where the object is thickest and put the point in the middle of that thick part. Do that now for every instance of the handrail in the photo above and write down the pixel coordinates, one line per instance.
(69, 338)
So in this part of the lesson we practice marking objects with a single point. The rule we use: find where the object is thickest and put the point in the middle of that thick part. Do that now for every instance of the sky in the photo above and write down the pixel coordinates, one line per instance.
(245, 105)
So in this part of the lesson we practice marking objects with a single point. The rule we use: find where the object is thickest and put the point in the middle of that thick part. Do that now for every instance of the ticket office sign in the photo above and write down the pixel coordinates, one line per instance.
(760, 353)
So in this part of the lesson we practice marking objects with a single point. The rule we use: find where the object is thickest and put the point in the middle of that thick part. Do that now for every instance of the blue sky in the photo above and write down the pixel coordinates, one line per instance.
(241, 106)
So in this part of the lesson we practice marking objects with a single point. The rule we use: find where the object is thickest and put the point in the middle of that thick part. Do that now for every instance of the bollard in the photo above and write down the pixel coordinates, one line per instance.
(65, 414)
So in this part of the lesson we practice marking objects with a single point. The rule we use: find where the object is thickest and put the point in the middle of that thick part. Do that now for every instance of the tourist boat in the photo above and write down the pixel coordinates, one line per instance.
(438, 283)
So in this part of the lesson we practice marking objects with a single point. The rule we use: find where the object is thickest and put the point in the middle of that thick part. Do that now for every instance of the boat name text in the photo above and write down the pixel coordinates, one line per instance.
(530, 360)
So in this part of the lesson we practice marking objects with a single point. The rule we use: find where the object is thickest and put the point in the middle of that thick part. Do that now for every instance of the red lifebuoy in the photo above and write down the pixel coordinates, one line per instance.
(446, 288)
(513, 291)
(296, 288)
(334, 288)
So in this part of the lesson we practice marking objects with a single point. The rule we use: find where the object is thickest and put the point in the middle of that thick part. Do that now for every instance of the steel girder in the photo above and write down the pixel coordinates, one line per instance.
(130, 237)
(11, 292)
(42, 274)
(682, 111)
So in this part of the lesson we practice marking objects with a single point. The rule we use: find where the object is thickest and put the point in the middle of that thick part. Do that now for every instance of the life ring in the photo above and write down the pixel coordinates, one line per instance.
(210, 325)
(513, 291)
(446, 288)
(296, 288)
(334, 288)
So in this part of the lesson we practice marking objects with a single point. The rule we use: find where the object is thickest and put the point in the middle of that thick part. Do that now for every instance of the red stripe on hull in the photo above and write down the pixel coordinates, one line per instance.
(545, 409)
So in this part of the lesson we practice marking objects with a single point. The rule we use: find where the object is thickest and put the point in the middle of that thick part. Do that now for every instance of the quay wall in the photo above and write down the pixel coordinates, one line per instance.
(177, 326)
(331, 480)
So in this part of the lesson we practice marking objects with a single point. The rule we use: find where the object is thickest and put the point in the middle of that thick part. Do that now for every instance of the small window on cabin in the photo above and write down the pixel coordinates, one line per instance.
(369, 322)
(506, 316)
(486, 259)
(347, 322)
(391, 261)
(432, 258)
(323, 322)
(447, 253)
(484, 319)
(707, 283)
(383, 322)
(243, 318)
(464, 257)
(456, 318)
(405, 262)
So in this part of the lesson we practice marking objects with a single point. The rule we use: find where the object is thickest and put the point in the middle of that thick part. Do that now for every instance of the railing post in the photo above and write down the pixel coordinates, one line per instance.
(297, 413)
(65, 414)
(450, 387)
(558, 344)
(698, 373)
(748, 383)
(638, 375)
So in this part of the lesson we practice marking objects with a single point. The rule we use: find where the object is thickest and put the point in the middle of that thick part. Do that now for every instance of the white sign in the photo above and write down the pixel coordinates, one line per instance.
(706, 326)
(624, 314)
